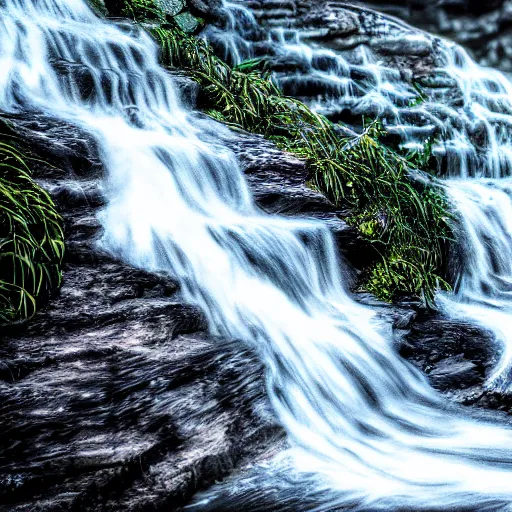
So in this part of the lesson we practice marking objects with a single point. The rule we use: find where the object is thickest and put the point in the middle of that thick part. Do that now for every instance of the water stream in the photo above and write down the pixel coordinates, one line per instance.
(360, 419)
(468, 111)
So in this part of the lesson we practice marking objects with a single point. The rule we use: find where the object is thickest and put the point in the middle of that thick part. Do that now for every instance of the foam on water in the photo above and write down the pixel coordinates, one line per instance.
(365, 422)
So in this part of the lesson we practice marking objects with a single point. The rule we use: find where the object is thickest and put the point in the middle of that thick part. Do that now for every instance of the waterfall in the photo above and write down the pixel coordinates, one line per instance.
(469, 111)
(484, 289)
(358, 417)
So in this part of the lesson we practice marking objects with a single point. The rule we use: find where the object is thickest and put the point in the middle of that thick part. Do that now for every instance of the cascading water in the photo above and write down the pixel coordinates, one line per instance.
(362, 420)
(484, 290)
(468, 109)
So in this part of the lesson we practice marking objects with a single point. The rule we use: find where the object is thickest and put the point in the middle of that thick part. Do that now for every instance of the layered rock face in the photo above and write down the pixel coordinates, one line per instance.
(484, 27)
(351, 64)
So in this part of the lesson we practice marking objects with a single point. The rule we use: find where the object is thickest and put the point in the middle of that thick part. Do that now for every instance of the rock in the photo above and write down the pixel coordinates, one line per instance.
(335, 22)
(188, 22)
(187, 88)
(80, 76)
(171, 7)
(423, 335)
(204, 8)
(413, 46)
(454, 355)
(115, 397)
(358, 36)
(114, 7)
(455, 372)
(483, 27)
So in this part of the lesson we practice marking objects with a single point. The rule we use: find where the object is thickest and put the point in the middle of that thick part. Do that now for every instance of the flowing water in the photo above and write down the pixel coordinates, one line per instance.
(363, 421)
(465, 108)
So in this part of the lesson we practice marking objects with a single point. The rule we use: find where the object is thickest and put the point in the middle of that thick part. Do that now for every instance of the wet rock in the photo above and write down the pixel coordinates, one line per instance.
(454, 372)
(188, 22)
(454, 355)
(335, 22)
(361, 47)
(115, 397)
(171, 7)
(417, 46)
(187, 88)
(483, 27)
(201, 8)
(114, 7)
(204, 6)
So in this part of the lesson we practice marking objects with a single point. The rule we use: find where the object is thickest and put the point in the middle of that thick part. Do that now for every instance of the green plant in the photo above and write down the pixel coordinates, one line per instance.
(405, 219)
(142, 10)
(31, 239)
(241, 95)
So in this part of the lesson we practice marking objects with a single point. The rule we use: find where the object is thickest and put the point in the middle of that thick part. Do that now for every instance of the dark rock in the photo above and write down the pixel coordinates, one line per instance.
(188, 89)
(171, 7)
(454, 355)
(115, 397)
(483, 27)
(204, 7)
(455, 372)
(114, 7)
(334, 22)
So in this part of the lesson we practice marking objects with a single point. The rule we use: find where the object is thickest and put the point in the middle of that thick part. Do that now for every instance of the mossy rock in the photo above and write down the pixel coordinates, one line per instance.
(171, 7)
(188, 22)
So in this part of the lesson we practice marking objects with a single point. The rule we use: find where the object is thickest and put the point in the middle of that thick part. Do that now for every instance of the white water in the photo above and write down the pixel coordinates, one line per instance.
(474, 126)
(473, 130)
(364, 421)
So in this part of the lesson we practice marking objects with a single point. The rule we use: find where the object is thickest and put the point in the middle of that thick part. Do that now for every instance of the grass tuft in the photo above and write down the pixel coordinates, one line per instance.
(31, 239)
(142, 10)
(406, 219)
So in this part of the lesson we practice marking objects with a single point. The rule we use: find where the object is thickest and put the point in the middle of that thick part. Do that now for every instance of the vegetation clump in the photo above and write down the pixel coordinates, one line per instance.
(406, 220)
(142, 10)
(31, 239)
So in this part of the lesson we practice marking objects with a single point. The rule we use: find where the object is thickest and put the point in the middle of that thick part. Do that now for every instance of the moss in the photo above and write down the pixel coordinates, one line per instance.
(405, 219)
(31, 238)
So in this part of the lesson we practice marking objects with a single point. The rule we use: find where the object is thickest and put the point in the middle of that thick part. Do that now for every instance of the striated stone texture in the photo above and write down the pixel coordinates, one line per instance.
(484, 27)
